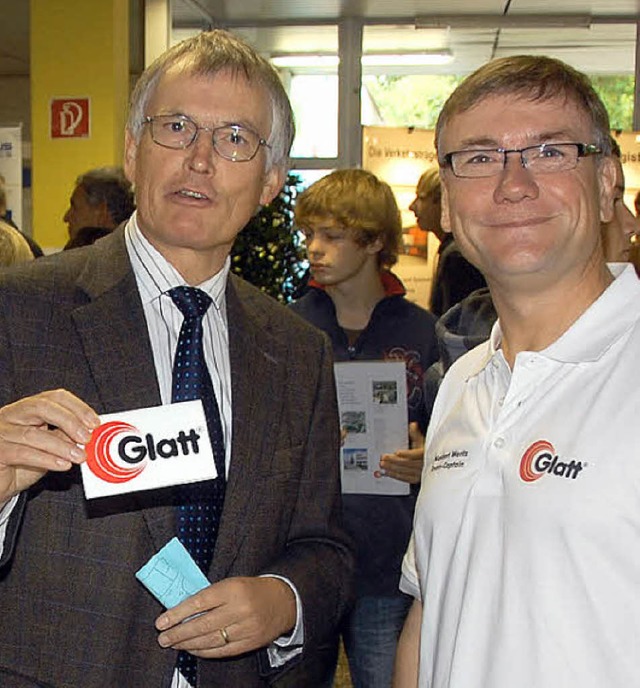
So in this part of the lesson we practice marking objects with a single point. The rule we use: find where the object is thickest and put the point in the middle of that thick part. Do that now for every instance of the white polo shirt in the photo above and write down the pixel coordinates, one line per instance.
(526, 543)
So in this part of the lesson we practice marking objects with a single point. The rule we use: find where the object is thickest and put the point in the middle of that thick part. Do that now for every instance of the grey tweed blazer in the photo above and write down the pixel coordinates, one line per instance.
(73, 615)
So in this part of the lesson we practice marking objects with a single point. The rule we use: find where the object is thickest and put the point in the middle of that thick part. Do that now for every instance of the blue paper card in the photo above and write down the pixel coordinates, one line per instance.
(171, 574)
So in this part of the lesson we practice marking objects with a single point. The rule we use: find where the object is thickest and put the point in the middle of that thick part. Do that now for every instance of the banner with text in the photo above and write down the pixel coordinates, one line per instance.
(11, 169)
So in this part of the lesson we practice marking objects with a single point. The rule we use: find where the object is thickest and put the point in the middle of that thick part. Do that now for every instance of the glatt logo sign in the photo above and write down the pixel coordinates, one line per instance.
(117, 452)
(148, 448)
(541, 458)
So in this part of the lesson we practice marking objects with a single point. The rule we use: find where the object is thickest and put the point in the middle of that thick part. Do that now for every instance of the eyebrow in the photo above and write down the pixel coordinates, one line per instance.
(242, 124)
(225, 123)
(558, 136)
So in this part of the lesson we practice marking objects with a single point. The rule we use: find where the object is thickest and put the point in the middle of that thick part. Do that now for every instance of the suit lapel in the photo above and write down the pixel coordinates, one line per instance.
(257, 379)
(113, 330)
(114, 334)
(116, 344)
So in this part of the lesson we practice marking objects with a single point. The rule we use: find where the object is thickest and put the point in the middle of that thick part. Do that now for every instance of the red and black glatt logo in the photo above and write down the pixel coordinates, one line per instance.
(118, 452)
(541, 458)
(101, 457)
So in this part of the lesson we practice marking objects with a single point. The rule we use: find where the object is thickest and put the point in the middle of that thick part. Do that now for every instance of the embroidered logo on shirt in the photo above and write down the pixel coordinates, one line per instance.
(456, 458)
(541, 458)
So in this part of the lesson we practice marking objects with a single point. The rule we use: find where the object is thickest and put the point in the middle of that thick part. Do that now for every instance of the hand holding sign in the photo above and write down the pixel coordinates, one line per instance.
(29, 447)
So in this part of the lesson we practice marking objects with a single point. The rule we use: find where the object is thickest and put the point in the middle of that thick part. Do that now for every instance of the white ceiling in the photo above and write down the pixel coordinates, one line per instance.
(608, 46)
(269, 10)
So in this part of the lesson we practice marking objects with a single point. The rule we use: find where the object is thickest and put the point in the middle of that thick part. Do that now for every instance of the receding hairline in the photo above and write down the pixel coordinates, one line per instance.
(186, 70)
(190, 64)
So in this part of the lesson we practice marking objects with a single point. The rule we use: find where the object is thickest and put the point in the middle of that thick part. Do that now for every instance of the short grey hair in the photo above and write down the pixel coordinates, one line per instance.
(110, 186)
(207, 54)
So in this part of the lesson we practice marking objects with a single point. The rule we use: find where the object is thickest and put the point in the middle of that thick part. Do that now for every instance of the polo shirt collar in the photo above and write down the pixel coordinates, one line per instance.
(613, 314)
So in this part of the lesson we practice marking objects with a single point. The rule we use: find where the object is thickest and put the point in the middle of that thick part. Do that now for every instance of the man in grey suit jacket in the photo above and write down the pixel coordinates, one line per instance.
(92, 331)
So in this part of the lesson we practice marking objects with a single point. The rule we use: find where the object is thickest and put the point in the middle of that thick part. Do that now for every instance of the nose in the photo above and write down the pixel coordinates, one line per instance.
(414, 205)
(66, 216)
(200, 153)
(314, 246)
(515, 182)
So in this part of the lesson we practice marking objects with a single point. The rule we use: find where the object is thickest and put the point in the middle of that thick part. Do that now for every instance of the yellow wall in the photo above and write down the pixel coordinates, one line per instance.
(78, 48)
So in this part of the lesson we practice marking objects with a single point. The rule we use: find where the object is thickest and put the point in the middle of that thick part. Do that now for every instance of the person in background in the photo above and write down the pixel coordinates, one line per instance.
(14, 248)
(353, 233)
(454, 277)
(35, 249)
(462, 328)
(106, 329)
(622, 230)
(525, 555)
(86, 236)
(102, 197)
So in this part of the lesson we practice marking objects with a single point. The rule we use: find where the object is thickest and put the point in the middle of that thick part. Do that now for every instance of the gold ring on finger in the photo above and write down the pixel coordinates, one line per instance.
(225, 635)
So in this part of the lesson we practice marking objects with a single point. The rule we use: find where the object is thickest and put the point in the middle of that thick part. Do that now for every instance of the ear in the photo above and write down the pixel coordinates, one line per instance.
(445, 217)
(130, 151)
(273, 181)
(105, 219)
(607, 173)
(375, 246)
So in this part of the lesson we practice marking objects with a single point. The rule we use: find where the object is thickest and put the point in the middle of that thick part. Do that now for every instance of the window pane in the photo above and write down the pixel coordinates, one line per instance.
(617, 95)
(405, 101)
(402, 95)
(312, 84)
(314, 99)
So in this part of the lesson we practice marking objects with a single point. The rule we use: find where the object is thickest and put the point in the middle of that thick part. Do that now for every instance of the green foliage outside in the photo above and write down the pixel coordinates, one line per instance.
(410, 101)
(617, 94)
(416, 100)
(268, 252)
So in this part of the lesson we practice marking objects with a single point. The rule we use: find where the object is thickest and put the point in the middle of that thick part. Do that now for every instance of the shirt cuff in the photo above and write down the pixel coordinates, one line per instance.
(286, 647)
(5, 512)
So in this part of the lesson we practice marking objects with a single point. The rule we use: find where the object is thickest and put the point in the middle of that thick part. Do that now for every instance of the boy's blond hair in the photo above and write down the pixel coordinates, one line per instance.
(13, 246)
(359, 202)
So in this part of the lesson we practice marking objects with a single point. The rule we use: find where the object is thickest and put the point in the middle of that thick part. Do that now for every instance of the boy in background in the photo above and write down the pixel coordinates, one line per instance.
(353, 235)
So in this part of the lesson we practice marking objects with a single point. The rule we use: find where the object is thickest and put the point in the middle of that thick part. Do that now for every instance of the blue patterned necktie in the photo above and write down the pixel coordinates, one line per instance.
(198, 505)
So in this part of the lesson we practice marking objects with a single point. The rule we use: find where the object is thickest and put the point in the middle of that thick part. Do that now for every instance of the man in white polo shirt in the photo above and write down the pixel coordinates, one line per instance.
(525, 557)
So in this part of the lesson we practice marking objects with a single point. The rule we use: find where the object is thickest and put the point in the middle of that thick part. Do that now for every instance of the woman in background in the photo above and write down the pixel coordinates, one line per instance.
(13, 246)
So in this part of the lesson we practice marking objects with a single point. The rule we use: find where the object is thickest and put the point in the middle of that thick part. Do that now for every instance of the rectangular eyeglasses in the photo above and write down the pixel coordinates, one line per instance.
(544, 158)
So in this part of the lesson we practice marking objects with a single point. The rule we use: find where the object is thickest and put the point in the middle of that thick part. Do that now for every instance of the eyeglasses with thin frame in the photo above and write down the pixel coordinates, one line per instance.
(232, 141)
(544, 158)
